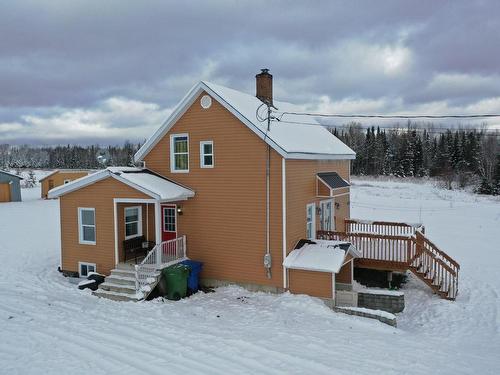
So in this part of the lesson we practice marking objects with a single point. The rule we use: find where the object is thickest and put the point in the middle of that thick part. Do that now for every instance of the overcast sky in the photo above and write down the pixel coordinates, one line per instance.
(106, 71)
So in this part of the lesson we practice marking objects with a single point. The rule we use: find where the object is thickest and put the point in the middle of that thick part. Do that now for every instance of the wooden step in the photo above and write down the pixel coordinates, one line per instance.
(120, 288)
(116, 296)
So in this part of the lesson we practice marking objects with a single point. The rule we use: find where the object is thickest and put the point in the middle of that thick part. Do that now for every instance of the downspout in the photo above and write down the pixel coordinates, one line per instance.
(283, 223)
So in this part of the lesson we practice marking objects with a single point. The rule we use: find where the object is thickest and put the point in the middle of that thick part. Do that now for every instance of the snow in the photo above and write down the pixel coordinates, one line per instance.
(159, 188)
(381, 313)
(293, 138)
(322, 257)
(48, 325)
(86, 282)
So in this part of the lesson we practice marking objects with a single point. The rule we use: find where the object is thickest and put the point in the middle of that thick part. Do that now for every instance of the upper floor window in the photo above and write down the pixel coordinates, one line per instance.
(86, 226)
(179, 153)
(207, 154)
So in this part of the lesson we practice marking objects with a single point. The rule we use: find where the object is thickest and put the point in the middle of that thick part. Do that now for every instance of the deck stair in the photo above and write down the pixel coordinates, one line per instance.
(120, 285)
(134, 282)
(401, 247)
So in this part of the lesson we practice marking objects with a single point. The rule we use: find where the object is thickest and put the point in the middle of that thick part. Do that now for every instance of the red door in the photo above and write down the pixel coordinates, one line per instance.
(169, 222)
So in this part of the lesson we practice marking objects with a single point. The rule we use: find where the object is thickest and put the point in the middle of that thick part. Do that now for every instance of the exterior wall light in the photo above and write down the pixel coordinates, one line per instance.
(179, 210)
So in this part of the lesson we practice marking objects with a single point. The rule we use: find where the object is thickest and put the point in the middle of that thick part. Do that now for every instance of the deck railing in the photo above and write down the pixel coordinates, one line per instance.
(382, 227)
(161, 256)
(401, 246)
(439, 266)
(377, 247)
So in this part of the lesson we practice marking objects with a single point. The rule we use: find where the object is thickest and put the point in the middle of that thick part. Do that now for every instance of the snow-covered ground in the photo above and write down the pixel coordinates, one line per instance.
(47, 326)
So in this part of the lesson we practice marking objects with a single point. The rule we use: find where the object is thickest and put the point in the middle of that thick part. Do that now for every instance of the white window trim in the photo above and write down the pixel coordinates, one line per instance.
(139, 221)
(174, 207)
(172, 156)
(313, 222)
(80, 226)
(202, 154)
(80, 264)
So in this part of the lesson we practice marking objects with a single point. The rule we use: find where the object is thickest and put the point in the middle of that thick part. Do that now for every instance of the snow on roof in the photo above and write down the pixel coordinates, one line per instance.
(290, 140)
(290, 137)
(67, 171)
(324, 256)
(11, 174)
(165, 189)
(140, 179)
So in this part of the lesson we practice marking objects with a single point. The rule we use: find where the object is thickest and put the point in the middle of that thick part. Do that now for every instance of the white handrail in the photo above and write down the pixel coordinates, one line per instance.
(162, 255)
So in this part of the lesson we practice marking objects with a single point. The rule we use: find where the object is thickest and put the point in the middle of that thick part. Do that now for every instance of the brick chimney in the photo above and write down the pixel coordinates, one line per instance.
(264, 83)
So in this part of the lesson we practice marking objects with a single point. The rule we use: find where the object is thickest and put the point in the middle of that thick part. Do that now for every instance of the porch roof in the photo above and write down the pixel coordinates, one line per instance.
(320, 255)
(141, 179)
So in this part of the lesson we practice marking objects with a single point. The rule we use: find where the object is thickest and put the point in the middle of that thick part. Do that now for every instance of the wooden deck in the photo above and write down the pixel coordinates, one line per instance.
(400, 247)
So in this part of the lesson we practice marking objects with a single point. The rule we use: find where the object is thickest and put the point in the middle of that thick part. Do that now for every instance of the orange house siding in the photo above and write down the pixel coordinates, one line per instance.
(58, 179)
(312, 283)
(225, 222)
(99, 196)
(301, 189)
(345, 274)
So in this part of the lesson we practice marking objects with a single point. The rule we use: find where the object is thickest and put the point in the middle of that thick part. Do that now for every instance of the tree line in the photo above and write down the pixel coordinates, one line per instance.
(458, 157)
(70, 156)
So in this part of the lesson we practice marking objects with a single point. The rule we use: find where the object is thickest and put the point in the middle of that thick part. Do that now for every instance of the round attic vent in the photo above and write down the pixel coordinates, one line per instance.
(206, 101)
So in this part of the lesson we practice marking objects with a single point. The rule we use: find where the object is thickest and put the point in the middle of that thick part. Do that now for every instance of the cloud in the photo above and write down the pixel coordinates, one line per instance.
(113, 120)
(63, 61)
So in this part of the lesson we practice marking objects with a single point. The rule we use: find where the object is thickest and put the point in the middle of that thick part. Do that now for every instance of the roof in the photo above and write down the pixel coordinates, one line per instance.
(10, 174)
(144, 180)
(290, 140)
(333, 180)
(67, 171)
(319, 255)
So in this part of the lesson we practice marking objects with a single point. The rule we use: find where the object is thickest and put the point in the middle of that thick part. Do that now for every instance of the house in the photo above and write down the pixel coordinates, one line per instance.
(10, 187)
(203, 178)
(263, 204)
(60, 177)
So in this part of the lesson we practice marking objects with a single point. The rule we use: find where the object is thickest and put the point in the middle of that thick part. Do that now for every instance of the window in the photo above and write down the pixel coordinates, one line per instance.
(85, 268)
(179, 153)
(133, 222)
(169, 219)
(67, 182)
(207, 154)
(310, 221)
(326, 218)
(86, 225)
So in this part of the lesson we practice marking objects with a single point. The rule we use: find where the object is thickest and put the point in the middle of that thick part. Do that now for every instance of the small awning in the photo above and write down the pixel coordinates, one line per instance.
(333, 180)
(319, 255)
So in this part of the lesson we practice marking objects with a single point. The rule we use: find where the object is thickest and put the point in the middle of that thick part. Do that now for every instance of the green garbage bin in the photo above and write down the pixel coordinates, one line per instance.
(175, 281)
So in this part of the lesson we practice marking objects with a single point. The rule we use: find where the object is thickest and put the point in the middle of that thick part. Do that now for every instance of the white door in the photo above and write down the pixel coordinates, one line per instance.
(310, 221)
(327, 220)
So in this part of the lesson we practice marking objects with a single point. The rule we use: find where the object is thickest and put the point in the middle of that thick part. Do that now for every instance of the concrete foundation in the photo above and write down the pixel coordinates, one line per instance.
(392, 302)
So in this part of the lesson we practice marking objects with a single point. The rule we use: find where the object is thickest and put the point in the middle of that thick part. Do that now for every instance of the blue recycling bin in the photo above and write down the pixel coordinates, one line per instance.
(194, 275)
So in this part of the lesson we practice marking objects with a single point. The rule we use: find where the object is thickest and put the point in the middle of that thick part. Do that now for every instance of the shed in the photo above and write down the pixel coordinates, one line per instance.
(10, 187)
(61, 177)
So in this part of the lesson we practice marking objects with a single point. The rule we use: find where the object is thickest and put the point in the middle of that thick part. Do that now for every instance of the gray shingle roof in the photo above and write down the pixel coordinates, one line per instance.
(333, 180)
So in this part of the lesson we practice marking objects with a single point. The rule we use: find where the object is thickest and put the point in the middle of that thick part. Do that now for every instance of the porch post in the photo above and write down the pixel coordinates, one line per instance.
(158, 232)
(115, 225)
(157, 222)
